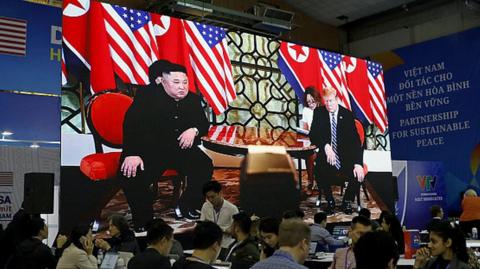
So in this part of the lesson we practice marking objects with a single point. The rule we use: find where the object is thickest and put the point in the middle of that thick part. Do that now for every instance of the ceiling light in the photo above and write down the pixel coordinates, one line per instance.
(6, 133)
(34, 146)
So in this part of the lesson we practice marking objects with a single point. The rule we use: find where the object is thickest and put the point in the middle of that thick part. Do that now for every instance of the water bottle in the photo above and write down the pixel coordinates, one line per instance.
(99, 257)
(120, 263)
(474, 233)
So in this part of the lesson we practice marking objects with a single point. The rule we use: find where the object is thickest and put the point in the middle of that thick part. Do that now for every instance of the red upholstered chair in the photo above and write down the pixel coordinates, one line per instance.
(105, 115)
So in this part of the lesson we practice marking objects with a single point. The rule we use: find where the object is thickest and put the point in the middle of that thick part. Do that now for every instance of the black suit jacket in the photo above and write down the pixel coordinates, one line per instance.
(245, 255)
(155, 120)
(150, 258)
(349, 148)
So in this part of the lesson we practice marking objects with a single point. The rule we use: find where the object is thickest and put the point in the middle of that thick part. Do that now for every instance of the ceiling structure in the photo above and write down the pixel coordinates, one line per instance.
(338, 13)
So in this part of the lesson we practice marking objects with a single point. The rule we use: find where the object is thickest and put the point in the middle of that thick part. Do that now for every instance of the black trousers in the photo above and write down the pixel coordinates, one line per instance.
(192, 163)
(328, 175)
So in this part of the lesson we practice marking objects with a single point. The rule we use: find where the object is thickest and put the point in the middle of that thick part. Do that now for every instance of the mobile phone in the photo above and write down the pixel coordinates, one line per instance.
(95, 226)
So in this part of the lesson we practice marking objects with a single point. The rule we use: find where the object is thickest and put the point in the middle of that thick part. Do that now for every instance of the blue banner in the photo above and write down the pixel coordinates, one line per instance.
(420, 186)
(39, 69)
(433, 89)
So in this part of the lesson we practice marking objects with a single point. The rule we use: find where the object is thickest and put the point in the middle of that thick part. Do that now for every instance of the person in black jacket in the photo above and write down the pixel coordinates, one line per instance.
(123, 239)
(340, 153)
(162, 130)
(207, 239)
(159, 240)
(244, 252)
(32, 253)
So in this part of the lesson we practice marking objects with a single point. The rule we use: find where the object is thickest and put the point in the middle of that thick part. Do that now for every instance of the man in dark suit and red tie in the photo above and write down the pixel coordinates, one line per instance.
(340, 153)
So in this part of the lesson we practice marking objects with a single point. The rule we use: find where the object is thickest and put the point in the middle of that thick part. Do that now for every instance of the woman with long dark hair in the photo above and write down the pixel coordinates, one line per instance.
(447, 249)
(78, 254)
(391, 224)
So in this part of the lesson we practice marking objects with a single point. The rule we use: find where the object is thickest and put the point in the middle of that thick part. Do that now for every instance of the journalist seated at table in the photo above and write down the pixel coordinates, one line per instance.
(344, 258)
(322, 236)
(244, 252)
(123, 239)
(159, 240)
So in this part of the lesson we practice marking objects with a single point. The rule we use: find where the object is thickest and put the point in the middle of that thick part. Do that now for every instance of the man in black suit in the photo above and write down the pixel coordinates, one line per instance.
(340, 153)
(162, 130)
(159, 239)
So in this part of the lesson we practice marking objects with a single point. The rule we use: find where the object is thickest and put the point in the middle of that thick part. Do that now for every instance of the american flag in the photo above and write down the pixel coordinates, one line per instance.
(13, 36)
(132, 42)
(6, 179)
(223, 133)
(334, 76)
(376, 88)
(64, 70)
(211, 64)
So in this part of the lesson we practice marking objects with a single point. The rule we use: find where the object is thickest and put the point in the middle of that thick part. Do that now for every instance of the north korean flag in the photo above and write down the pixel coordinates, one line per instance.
(357, 86)
(301, 67)
(172, 43)
(84, 36)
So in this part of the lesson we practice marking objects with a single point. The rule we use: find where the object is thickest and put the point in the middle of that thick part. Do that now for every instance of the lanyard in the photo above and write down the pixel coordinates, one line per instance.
(216, 215)
(347, 264)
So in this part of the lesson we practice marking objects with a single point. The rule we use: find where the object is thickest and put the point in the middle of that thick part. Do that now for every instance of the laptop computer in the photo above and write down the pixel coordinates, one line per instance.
(109, 260)
(340, 231)
(313, 248)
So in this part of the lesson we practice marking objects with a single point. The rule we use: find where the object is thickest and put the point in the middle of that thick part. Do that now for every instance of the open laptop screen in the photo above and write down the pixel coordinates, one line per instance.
(340, 231)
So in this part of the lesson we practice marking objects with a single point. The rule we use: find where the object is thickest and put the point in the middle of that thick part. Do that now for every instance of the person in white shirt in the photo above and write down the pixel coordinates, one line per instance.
(218, 210)
(311, 100)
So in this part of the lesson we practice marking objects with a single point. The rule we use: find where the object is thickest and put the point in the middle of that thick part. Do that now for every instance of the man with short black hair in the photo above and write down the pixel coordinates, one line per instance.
(344, 258)
(244, 252)
(218, 210)
(162, 130)
(159, 240)
(291, 214)
(376, 250)
(366, 213)
(321, 235)
(436, 212)
(32, 253)
(268, 229)
(294, 242)
(207, 237)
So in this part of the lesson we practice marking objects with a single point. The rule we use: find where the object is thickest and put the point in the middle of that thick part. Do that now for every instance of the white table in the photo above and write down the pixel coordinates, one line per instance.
(473, 243)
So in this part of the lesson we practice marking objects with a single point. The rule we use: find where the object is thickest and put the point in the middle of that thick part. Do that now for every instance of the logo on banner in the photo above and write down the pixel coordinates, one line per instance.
(6, 206)
(427, 183)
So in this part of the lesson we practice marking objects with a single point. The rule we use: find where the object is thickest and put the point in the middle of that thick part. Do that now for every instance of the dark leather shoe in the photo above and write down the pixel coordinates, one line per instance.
(192, 215)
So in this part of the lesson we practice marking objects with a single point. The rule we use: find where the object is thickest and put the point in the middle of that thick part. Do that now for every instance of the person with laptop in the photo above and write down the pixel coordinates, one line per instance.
(344, 258)
(321, 235)
(244, 252)
(159, 240)
(294, 242)
(207, 239)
